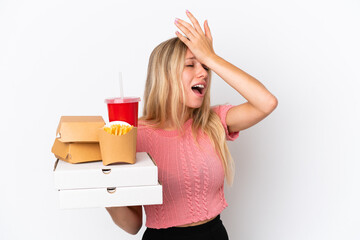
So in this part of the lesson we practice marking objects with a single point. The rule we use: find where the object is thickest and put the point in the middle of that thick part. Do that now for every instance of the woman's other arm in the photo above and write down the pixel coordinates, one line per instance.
(128, 218)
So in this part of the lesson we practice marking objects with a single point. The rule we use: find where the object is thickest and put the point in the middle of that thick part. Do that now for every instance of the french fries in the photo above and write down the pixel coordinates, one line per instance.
(118, 129)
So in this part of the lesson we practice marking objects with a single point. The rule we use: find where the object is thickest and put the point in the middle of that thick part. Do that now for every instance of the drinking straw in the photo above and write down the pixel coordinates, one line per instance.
(121, 86)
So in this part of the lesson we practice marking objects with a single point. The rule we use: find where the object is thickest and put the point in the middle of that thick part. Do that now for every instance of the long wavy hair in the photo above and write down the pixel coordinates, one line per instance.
(163, 97)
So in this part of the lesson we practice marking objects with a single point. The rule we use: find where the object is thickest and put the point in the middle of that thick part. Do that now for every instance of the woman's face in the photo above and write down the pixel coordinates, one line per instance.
(194, 74)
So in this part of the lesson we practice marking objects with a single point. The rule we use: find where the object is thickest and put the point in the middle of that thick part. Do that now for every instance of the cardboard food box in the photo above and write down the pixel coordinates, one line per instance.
(110, 197)
(79, 128)
(118, 148)
(77, 152)
(95, 175)
(88, 185)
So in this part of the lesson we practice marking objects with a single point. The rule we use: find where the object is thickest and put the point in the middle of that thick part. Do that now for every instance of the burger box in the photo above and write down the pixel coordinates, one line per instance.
(92, 184)
(78, 139)
(79, 128)
(77, 152)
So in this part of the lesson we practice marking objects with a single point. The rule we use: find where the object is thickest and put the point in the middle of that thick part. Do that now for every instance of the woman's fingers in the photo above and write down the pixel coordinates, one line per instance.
(182, 38)
(194, 22)
(199, 43)
(186, 28)
(207, 30)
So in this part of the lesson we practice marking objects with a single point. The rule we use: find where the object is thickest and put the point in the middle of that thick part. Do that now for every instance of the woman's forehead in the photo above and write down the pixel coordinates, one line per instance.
(189, 54)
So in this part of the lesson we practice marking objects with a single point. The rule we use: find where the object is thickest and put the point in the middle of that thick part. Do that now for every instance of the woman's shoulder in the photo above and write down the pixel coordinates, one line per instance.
(144, 124)
(221, 109)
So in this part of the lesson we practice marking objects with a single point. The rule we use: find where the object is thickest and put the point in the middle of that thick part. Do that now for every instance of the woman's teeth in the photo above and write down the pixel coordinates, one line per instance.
(198, 87)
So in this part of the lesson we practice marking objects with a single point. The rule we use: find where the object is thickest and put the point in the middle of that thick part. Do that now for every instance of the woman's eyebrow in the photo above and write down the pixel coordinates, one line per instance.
(191, 58)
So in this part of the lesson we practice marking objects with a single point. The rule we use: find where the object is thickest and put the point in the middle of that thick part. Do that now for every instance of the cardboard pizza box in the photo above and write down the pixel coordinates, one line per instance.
(95, 175)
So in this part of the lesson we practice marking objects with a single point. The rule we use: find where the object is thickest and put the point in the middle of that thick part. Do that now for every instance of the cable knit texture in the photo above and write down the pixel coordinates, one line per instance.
(192, 178)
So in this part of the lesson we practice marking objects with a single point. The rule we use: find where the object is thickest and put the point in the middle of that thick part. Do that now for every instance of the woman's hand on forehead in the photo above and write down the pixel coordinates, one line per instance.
(199, 43)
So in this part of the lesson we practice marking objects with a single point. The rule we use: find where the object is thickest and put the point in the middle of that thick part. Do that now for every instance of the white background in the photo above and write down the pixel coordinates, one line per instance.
(297, 172)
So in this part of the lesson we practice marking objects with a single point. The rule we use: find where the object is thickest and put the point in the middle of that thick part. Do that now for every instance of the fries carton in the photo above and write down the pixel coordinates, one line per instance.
(77, 152)
(79, 128)
(118, 143)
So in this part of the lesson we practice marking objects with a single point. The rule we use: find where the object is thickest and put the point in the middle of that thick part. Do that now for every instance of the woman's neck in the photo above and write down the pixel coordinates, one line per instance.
(169, 125)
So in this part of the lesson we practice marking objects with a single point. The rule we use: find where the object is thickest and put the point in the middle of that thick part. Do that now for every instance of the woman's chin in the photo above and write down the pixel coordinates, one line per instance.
(194, 105)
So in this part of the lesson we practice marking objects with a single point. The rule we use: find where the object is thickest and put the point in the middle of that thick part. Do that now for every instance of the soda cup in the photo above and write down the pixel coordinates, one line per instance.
(123, 109)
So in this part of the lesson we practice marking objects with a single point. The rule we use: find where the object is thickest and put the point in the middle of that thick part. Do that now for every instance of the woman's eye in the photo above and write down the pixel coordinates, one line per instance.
(206, 68)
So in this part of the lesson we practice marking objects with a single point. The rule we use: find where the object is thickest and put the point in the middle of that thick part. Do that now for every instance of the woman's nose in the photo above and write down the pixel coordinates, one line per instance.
(202, 72)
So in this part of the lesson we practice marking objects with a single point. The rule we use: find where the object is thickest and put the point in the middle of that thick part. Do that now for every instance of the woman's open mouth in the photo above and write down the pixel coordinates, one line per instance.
(199, 90)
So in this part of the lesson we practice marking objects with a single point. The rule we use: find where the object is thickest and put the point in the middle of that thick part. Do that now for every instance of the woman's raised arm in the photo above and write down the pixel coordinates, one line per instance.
(260, 102)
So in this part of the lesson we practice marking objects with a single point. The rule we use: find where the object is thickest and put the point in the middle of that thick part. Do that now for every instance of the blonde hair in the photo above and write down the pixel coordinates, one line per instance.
(163, 92)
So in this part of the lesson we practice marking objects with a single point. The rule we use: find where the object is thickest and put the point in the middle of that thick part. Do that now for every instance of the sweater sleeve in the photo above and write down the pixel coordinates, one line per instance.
(221, 111)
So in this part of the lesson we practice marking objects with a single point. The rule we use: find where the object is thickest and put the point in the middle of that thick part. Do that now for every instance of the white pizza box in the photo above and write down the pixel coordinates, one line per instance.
(110, 197)
(95, 175)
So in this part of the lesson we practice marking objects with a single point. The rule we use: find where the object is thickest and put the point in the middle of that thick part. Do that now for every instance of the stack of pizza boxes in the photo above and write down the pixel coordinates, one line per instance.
(97, 168)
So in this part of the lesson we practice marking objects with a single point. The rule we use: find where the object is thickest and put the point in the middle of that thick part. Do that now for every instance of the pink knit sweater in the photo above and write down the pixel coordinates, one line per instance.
(192, 178)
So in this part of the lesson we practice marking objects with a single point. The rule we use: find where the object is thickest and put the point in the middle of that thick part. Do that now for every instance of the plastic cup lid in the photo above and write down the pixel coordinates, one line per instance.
(122, 100)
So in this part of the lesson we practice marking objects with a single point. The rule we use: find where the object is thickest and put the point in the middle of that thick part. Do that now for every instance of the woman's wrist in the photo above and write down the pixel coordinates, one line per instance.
(212, 61)
(220, 66)
(127, 217)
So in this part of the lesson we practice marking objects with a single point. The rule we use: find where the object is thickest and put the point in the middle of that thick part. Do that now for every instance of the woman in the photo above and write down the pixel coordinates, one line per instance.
(186, 137)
